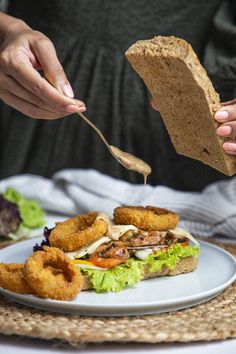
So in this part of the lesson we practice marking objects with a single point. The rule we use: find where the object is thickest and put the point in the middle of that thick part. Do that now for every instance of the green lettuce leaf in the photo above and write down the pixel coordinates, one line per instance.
(20, 234)
(31, 214)
(130, 273)
(170, 258)
(117, 278)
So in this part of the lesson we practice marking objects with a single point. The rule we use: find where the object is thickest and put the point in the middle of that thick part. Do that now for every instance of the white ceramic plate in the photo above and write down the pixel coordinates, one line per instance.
(216, 271)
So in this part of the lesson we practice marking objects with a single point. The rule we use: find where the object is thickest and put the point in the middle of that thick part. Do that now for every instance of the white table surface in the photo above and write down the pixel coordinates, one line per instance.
(21, 345)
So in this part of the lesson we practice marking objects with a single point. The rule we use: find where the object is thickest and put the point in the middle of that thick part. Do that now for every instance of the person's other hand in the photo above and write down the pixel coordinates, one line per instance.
(226, 115)
(22, 53)
(154, 105)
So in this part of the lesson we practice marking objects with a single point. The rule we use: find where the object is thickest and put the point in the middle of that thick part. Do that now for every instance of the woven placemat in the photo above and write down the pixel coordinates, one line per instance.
(215, 319)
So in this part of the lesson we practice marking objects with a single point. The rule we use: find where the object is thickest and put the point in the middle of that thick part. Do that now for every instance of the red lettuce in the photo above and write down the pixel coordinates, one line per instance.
(9, 217)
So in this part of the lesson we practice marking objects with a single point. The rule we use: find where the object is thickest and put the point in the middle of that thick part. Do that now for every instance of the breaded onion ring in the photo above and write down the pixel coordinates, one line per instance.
(51, 274)
(77, 232)
(12, 278)
(146, 218)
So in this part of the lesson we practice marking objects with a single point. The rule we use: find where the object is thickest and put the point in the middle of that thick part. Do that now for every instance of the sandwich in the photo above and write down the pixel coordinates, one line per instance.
(137, 244)
(185, 97)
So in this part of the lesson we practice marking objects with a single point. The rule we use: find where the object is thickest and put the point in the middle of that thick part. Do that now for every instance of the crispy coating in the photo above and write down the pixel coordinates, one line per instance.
(51, 274)
(77, 232)
(146, 218)
(12, 278)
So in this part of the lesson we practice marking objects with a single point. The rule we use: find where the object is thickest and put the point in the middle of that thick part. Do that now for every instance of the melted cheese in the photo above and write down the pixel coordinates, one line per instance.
(89, 248)
(104, 217)
(181, 232)
(118, 230)
(115, 231)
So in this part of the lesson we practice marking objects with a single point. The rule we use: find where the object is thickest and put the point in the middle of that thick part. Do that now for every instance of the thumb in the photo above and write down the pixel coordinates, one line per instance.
(52, 68)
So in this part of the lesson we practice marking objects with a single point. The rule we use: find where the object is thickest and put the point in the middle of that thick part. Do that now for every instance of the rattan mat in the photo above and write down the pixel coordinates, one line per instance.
(215, 319)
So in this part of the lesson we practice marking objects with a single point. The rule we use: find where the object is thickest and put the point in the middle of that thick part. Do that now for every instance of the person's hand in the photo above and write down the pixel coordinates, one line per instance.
(226, 115)
(22, 53)
(153, 104)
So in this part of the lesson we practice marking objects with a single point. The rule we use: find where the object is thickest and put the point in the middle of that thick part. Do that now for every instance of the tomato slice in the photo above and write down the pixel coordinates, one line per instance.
(184, 244)
(105, 262)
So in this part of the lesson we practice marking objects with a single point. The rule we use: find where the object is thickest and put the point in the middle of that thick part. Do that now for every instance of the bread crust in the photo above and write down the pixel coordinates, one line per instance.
(185, 96)
(186, 265)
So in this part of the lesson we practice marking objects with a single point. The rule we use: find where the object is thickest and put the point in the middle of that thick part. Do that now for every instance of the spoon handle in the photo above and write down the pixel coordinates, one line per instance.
(96, 130)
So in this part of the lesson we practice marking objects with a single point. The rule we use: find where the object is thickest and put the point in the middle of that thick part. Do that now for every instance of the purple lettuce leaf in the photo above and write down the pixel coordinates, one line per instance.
(9, 217)
(45, 241)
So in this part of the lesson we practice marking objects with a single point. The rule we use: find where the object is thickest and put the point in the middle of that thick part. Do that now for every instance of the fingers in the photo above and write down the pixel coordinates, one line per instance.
(16, 89)
(227, 129)
(20, 58)
(230, 147)
(154, 105)
(17, 61)
(29, 78)
(226, 115)
(53, 71)
(28, 108)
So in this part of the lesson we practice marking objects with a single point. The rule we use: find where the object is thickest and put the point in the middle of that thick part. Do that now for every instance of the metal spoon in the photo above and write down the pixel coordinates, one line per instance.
(126, 159)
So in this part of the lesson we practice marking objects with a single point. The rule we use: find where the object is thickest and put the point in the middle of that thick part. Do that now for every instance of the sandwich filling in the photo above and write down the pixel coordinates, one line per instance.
(119, 256)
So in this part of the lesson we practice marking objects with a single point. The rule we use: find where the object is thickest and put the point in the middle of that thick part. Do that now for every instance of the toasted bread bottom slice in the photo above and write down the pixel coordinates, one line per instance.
(186, 265)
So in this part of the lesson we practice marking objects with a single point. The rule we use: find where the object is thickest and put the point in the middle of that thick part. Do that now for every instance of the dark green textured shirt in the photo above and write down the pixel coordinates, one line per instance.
(91, 37)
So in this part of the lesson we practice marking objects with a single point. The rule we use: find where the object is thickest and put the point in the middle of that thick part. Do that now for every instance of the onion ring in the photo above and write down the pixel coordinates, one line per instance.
(77, 232)
(12, 278)
(51, 274)
(146, 218)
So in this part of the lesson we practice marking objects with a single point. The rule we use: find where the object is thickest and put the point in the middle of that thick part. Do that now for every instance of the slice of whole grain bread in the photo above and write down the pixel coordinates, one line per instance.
(185, 96)
(185, 265)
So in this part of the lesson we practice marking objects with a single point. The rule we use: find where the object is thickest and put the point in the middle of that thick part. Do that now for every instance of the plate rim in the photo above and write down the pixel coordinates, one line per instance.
(70, 305)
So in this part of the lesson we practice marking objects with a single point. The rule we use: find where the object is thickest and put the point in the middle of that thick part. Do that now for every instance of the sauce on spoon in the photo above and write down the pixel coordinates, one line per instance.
(126, 159)
(131, 162)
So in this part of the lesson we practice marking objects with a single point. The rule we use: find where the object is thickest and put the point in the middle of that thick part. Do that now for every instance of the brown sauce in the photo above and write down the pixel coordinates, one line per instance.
(131, 162)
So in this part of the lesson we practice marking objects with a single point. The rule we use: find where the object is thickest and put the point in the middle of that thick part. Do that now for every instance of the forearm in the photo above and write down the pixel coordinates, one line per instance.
(10, 24)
